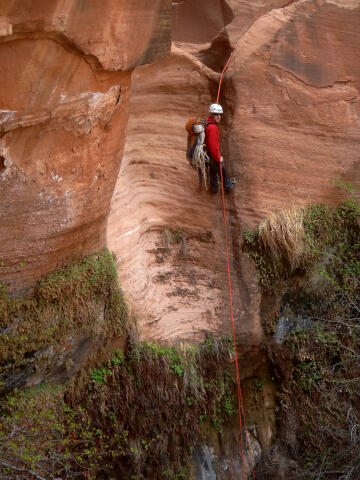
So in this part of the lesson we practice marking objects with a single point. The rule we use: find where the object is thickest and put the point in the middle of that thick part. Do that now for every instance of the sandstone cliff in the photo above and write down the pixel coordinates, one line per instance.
(291, 121)
(86, 161)
(65, 81)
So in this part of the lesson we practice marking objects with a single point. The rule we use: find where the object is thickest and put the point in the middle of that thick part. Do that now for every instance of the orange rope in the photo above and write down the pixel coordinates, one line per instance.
(222, 74)
(239, 393)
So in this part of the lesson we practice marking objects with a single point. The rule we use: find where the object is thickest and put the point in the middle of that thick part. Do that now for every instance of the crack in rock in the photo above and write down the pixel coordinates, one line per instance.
(80, 112)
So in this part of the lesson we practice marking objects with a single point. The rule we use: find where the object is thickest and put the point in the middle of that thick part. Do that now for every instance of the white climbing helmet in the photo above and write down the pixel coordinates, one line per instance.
(216, 108)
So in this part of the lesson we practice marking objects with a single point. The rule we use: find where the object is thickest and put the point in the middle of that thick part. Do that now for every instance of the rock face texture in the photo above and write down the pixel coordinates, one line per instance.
(291, 124)
(291, 121)
(167, 235)
(295, 107)
(63, 111)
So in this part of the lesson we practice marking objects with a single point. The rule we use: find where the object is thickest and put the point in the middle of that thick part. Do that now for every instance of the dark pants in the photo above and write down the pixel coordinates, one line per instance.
(214, 170)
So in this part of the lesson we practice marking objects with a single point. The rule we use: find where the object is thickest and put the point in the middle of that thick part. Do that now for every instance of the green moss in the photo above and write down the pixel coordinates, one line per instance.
(84, 296)
(326, 234)
(42, 435)
(173, 235)
(323, 393)
(132, 418)
(319, 361)
(138, 413)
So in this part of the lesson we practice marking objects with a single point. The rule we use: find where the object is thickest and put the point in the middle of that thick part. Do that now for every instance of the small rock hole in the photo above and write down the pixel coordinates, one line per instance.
(2, 163)
(30, 354)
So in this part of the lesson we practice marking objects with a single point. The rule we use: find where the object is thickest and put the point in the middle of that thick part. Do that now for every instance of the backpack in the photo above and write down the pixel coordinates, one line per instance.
(196, 149)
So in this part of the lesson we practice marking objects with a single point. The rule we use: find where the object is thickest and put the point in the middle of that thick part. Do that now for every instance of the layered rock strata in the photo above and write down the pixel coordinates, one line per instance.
(294, 96)
(66, 70)
(170, 243)
(290, 126)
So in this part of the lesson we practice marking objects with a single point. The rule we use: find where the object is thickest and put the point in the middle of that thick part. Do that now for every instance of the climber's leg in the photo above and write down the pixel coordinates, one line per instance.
(214, 176)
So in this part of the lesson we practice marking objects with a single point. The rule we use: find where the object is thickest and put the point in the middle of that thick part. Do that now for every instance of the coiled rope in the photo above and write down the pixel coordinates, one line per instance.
(200, 159)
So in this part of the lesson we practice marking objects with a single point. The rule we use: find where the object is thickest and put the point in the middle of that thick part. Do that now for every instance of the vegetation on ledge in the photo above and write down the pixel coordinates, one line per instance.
(137, 414)
(308, 263)
(295, 240)
(83, 296)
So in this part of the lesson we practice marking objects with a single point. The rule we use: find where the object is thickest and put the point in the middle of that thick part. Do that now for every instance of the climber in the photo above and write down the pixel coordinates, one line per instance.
(213, 150)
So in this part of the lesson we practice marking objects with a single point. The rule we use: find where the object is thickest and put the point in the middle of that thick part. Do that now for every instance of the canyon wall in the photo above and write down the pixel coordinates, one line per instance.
(65, 85)
(294, 96)
(68, 153)
(168, 236)
(291, 122)
(291, 114)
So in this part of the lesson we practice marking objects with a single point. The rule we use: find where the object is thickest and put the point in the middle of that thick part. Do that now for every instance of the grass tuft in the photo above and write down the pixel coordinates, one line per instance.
(283, 233)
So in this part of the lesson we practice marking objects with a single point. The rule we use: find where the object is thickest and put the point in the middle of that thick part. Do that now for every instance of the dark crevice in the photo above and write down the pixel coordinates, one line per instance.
(216, 56)
(118, 97)
(2, 163)
(30, 354)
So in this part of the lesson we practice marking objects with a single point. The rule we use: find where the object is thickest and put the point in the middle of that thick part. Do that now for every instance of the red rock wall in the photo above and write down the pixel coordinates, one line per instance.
(65, 80)
(291, 103)
(197, 22)
(294, 103)
(179, 291)
(290, 125)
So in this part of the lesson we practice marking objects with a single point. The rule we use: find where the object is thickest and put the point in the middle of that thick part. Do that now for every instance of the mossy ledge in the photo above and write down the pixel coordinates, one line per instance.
(72, 309)
(297, 245)
(309, 277)
(137, 414)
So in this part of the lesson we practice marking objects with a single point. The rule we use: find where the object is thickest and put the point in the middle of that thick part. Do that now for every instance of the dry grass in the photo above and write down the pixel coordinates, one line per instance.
(283, 234)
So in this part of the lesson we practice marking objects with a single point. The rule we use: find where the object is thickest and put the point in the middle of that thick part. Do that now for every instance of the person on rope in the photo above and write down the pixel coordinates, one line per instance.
(213, 150)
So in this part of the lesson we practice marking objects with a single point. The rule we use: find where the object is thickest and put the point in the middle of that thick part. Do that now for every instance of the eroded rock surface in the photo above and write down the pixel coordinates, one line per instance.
(291, 125)
(295, 104)
(168, 236)
(114, 35)
(291, 99)
(63, 110)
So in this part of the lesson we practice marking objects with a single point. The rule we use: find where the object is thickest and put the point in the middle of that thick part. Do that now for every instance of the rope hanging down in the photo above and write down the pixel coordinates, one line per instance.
(239, 392)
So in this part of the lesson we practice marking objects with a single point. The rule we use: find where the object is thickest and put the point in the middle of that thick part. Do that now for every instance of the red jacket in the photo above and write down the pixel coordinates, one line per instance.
(212, 140)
